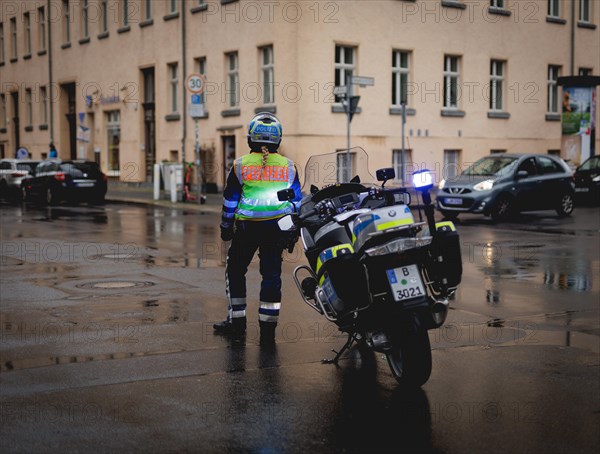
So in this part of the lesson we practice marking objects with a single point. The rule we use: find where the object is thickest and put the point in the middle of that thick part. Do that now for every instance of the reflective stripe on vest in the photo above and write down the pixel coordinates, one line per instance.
(260, 185)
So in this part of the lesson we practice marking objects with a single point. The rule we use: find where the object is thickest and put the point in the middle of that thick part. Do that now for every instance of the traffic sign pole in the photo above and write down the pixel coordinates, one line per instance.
(349, 117)
(195, 84)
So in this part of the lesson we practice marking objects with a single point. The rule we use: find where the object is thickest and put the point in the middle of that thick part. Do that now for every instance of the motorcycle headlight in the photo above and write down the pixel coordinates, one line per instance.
(484, 185)
(399, 245)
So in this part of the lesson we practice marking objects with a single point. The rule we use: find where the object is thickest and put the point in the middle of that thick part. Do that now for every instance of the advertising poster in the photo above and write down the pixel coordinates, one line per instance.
(578, 122)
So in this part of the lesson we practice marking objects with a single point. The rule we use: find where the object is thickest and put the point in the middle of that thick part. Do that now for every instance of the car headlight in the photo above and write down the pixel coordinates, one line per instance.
(484, 185)
(399, 245)
(442, 184)
(596, 179)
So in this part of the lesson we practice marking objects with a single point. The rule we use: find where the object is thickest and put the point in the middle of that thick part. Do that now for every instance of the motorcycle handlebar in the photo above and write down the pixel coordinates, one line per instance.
(308, 214)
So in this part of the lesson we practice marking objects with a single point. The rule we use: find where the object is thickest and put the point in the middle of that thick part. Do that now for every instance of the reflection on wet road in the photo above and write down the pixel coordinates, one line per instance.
(106, 316)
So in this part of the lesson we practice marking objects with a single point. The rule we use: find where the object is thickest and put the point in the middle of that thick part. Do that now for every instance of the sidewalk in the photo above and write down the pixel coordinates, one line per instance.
(141, 193)
(144, 194)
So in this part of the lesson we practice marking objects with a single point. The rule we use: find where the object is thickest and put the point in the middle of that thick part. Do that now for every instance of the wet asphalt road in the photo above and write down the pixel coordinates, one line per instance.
(106, 344)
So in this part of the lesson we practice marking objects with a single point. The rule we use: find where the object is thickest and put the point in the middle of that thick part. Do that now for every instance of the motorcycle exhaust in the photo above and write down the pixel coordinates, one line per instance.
(379, 342)
(439, 312)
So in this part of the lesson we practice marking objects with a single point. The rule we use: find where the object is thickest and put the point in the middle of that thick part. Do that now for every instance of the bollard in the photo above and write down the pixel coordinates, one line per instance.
(173, 184)
(156, 181)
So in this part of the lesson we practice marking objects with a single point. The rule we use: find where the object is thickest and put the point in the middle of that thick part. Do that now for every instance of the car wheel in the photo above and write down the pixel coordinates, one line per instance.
(450, 215)
(503, 208)
(565, 206)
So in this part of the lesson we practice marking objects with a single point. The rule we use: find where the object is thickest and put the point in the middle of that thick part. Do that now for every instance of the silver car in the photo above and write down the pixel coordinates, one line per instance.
(505, 184)
(12, 172)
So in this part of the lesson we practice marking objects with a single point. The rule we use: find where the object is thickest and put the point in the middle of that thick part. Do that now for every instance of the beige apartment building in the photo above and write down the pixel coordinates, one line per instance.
(105, 79)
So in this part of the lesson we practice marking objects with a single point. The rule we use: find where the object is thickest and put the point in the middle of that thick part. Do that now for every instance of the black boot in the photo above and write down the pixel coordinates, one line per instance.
(235, 327)
(267, 333)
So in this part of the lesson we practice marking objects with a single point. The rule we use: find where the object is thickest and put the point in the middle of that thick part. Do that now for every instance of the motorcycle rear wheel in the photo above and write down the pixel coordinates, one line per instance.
(410, 356)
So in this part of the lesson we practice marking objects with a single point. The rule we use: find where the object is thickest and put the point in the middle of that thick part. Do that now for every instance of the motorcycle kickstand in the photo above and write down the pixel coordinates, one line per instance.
(347, 345)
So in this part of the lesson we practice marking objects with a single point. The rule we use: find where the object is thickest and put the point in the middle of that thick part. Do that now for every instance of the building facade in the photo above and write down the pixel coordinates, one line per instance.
(105, 80)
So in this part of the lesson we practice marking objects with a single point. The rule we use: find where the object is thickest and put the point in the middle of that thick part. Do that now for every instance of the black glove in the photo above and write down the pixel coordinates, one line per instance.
(227, 233)
(291, 241)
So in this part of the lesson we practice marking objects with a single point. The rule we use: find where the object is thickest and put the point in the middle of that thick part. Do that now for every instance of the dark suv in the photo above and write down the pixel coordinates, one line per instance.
(505, 184)
(55, 180)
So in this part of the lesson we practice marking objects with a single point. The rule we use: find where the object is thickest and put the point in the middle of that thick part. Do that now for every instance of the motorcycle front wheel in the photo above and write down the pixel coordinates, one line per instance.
(410, 356)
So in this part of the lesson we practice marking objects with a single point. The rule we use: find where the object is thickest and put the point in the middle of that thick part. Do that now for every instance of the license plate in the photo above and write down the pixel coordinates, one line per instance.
(448, 201)
(582, 189)
(406, 282)
(85, 184)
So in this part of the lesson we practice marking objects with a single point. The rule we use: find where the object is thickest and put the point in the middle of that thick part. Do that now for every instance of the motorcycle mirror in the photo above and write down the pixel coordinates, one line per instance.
(286, 195)
(286, 223)
(386, 174)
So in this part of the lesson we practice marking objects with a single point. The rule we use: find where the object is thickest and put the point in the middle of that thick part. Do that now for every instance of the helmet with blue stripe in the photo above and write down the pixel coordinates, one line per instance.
(264, 129)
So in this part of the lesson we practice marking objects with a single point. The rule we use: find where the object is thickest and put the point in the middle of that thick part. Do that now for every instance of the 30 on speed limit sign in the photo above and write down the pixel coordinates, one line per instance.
(195, 83)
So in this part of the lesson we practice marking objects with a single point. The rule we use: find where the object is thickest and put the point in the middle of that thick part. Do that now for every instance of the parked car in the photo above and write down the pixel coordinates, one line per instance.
(505, 184)
(587, 180)
(12, 172)
(54, 181)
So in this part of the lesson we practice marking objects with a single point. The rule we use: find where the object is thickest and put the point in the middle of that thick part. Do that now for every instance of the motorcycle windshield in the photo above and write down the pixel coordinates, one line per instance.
(331, 168)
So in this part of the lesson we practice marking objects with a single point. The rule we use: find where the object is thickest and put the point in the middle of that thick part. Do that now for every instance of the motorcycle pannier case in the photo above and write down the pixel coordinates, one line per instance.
(342, 278)
(447, 262)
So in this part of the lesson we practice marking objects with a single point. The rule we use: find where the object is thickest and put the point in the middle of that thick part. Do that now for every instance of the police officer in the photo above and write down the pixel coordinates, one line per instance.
(250, 213)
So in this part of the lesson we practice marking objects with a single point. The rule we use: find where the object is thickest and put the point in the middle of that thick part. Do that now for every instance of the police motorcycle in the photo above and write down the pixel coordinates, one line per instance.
(381, 276)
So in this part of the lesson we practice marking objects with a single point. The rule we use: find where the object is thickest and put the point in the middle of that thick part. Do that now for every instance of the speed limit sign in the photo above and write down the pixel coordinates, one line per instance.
(195, 83)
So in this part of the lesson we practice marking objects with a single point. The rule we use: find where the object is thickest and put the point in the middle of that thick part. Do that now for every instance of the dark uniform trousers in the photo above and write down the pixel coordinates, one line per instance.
(270, 241)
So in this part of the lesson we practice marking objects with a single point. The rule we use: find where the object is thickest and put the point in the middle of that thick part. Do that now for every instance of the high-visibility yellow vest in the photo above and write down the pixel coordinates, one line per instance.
(260, 185)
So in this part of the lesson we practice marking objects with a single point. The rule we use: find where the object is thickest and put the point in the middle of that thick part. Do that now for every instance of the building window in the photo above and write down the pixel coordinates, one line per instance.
(554, 8)
(2, 42)
(2, 111)
(553, 75)
(584, 10)
(497, 3)
(44, 106)
(172, 6)
(585, 71)
(451, 81)
(345, 166)
(496, 85)
(42, 28)
(399, 77)
(28, 107)
(66, 22)
(104, 16)
(233, 78)
(113, 128)
(147, 6)
(201, 69)
(344, 66)
(267, 72)
(85, 19)
(149, 86)
(13, 38)
(174, 87)
(451, 164)
(27, 25)
(403, 167)
(125, 13)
